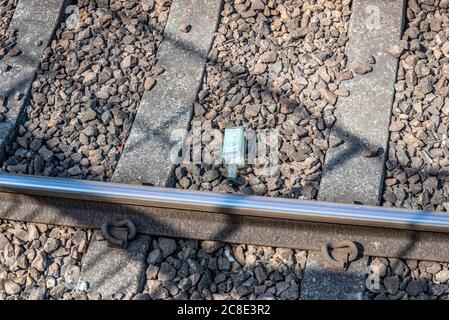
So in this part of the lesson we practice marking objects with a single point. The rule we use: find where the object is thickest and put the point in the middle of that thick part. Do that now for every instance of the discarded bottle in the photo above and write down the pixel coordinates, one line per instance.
(233, 154)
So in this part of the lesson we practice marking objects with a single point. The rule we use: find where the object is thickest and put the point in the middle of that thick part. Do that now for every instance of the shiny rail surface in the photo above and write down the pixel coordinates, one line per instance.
(280, 208)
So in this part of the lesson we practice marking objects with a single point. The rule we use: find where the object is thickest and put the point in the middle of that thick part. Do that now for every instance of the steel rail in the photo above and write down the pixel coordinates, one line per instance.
(280, 208)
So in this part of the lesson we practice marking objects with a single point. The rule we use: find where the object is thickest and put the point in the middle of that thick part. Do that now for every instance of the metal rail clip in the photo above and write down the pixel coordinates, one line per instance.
(118, 233)
(349, 248)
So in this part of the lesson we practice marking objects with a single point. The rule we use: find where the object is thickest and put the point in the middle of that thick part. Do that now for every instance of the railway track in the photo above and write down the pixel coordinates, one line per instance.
(127, 92)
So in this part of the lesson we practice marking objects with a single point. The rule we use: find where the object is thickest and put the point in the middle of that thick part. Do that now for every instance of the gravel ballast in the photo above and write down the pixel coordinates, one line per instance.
(87, 90)
(39, 262)
(43, 262)
(396, 279)
(417, 169)
(274, 65)
(192, 269)
(7, 35)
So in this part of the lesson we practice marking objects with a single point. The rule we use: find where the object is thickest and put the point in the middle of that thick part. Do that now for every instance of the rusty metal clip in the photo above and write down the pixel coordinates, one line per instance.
(118, 233)
(351, 253)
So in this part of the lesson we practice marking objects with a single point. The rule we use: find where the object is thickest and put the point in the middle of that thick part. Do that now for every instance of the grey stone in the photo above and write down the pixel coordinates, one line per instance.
(442, 276)
(40, 262)
(291, 293)
(415, 287)
(152, 272)
(37, 293)
(141, 296)
(167, 245)
(155, 256)
(210, 175)
(439, 289)
(287, 106)
(399, 267)
(3, 241)
(266, 296)
(129, 62)
(361, 67)
(395, 51)
(211, 246)
(90, 78)
(335, 142)
(259, 68)
(185, 284)
(12, 288)
(371, 152)
(204, 282)
(260, 274)
(88, 115)
(392, 284)
(58, 291)
(166, 272)
(51, 245)
(268, 57)
(185, 27)
(159, 293)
